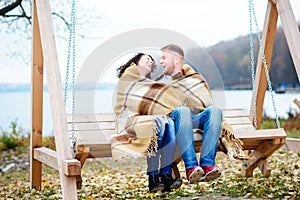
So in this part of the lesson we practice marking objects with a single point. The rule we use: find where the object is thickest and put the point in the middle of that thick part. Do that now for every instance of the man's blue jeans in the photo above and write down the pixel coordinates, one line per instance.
(185, 135)
(210, 121)
(165, 151)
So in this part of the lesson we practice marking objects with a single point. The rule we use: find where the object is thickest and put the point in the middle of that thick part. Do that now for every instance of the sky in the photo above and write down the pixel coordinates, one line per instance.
(206, 22)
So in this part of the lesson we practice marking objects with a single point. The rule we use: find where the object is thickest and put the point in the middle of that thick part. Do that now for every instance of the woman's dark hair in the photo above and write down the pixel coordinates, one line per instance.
(134, 60)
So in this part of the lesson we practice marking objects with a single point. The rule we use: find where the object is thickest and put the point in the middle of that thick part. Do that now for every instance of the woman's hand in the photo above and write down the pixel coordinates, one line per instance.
(144, 69)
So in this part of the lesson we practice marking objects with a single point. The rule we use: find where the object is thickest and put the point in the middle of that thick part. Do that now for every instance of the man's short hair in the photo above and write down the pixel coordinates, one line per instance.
(174, 48)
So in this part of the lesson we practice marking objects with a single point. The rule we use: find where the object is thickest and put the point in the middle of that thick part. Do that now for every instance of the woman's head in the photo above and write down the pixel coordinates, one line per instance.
(141, 60)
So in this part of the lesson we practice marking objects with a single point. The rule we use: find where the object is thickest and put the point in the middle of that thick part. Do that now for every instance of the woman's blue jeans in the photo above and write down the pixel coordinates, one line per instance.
(165, 151)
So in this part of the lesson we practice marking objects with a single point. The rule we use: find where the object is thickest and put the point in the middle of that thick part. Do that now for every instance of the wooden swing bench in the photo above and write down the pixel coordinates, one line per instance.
(93, 133)
(263, 142)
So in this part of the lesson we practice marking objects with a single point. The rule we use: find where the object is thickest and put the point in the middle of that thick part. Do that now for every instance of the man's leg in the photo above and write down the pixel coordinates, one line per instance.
(185, 140)
(210, 121)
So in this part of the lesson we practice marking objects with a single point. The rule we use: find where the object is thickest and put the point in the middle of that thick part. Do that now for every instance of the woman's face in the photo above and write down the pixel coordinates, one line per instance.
(146, 63)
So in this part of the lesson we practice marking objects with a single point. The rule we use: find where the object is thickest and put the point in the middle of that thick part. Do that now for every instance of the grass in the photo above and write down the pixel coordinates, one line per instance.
(102, 181)
(290, 125)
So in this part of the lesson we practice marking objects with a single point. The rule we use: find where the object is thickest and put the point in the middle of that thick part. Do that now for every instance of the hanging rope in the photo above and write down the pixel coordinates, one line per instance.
(71, 46)
(252, 11)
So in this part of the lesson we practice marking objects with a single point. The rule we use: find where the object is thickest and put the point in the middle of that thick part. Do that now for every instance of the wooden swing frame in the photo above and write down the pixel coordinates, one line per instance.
(44, 56)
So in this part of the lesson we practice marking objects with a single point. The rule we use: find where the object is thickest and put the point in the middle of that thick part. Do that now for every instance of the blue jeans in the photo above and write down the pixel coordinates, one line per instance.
(165, 151)
(185, 135)
(210, 121)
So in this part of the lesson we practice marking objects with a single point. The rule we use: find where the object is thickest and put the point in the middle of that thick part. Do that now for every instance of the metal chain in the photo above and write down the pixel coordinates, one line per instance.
(68, 64)
(71, 45)
(252, 66)
(251, 9)
(73, 77)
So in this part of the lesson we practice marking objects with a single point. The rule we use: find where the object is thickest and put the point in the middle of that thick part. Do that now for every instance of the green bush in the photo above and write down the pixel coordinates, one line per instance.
(291, 125)
(10, 140)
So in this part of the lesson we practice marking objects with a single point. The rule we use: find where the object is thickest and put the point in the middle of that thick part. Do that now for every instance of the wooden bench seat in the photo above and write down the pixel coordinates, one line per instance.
(93, 133)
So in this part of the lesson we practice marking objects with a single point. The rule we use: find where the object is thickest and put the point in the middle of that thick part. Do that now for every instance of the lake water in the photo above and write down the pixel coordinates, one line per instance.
(17, 105)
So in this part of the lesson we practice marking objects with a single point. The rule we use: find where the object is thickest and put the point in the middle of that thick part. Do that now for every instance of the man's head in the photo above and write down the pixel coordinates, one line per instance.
(172, 59)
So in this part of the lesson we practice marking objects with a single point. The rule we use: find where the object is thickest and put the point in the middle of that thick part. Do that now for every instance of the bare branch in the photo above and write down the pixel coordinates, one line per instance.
(10, 7)
(25, 15)
(62, 18)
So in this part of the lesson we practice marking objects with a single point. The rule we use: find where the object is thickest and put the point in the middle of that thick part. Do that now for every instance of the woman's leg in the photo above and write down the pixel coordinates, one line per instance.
(168, 148)
(153, 161)
(167, 158)
(154, 182)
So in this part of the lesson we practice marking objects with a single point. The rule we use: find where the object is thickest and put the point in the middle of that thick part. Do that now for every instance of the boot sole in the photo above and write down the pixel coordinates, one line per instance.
(176, 184)
(211, 175)
(196, 175)
(156, 189)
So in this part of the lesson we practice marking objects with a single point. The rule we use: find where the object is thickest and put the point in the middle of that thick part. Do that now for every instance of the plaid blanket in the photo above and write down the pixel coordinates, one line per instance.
(142, 107)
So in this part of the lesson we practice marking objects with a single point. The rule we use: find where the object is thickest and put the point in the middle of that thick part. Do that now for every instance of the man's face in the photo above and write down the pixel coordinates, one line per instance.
(167, 62)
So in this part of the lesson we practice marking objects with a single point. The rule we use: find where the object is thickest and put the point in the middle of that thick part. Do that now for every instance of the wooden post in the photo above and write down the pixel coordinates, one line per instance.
(297, 102)
(268, 36)
(291, 31)
(37, 102)
(62, 142)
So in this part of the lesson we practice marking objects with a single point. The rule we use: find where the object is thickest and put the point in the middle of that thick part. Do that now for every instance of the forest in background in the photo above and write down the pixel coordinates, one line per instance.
(232, 59)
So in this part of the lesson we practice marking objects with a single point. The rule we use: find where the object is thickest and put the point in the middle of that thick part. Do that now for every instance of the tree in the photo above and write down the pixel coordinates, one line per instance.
(15, 20)
(13, 11)
(15, 31)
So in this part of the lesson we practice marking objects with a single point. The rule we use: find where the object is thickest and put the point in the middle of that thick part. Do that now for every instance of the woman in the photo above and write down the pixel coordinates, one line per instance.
(162, 147)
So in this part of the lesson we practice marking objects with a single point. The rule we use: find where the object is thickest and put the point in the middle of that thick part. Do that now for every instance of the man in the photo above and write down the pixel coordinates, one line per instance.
(209, 119)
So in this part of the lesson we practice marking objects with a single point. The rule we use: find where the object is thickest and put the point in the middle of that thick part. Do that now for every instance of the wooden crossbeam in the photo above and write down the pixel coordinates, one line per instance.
(264, 167)
(47, 156)
(261, 152)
